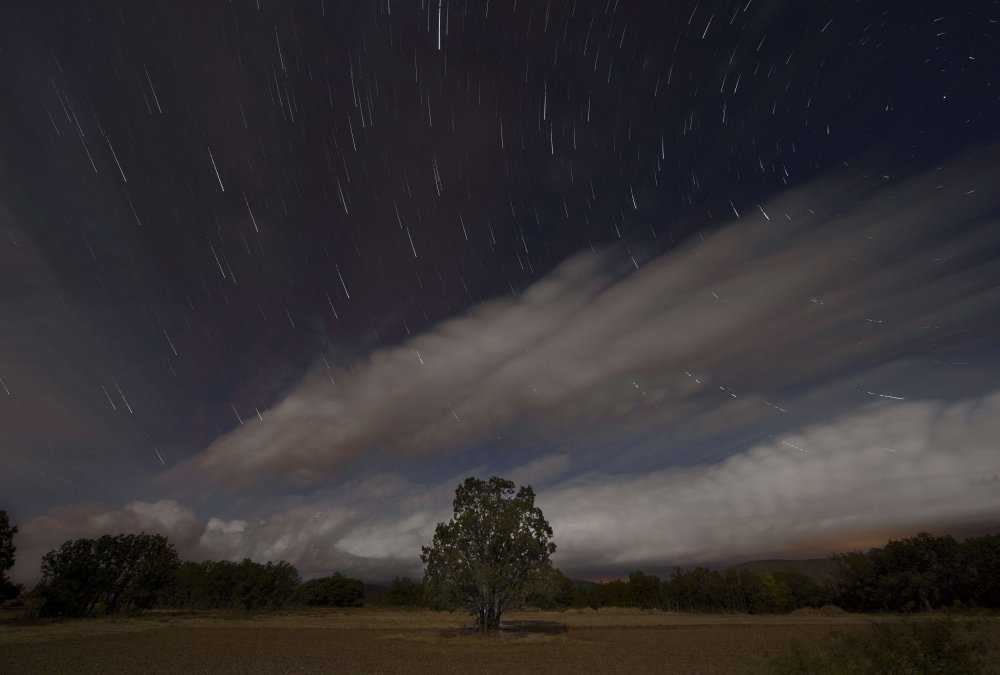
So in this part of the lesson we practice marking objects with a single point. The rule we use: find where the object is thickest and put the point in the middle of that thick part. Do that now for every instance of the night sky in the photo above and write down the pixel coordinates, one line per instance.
(721, 280)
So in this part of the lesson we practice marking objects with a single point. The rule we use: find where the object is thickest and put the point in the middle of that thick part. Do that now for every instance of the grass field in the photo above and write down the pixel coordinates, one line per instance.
(387, 641)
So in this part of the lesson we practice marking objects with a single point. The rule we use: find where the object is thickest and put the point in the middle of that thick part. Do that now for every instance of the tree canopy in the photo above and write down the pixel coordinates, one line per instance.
(484, 557)
(108, 574)
(332, 591)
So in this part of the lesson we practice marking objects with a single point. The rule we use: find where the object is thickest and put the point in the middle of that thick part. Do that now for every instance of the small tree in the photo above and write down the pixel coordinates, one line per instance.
(496, 542)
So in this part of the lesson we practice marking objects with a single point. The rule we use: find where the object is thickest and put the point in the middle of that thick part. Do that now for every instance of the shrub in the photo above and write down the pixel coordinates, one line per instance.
(940, 646)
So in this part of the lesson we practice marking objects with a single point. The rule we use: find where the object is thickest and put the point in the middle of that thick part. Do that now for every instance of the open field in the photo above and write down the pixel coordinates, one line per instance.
(385, 641)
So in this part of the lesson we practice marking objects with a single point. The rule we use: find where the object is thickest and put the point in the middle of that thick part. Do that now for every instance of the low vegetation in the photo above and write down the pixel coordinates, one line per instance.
(944, 646)
(137, 572)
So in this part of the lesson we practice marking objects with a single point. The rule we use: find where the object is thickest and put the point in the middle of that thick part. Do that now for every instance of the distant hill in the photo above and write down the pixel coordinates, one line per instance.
(817, 569)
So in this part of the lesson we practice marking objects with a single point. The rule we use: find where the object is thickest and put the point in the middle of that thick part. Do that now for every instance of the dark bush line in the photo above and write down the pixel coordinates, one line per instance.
(132, 573)
(136, 572)
(244, 586)
(920, 573)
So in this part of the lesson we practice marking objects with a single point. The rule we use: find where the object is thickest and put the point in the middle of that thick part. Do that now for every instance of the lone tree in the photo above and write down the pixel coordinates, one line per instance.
(494, 545)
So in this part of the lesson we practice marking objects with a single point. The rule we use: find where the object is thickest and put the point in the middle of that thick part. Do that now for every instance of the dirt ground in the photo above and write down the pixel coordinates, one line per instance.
(384, 641)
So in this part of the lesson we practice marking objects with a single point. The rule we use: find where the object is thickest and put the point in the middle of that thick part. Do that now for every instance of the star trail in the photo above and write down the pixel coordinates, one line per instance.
(718, 278)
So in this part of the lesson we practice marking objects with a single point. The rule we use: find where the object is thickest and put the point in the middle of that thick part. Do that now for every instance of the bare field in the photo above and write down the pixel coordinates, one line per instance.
(385, 641)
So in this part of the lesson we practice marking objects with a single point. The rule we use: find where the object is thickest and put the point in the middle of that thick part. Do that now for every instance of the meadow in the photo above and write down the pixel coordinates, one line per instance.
(366, 640)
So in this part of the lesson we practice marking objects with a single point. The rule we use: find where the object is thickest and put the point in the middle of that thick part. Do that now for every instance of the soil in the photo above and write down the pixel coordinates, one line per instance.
(382, 641)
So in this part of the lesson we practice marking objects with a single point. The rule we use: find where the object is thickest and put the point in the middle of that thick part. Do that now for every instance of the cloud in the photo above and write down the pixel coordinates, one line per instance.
(38, 536)
(842, 276)
(841, 298)
(887, 470)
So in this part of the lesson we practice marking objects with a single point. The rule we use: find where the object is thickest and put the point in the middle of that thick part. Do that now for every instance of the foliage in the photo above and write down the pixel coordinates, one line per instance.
(7, 547)
(941, 646)
(643, 591)
(404, 593)
(332, 591)
(803, 591)
(549, 589)
(773, 595)
(920, 573)
(981, 558)
(704, 590)
(8, 589)
(244, 586)
(483, 559)
(106, 575)
(732, 590)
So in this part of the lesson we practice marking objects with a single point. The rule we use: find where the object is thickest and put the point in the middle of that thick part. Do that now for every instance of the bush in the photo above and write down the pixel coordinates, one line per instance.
(332, 591)
(940, 646)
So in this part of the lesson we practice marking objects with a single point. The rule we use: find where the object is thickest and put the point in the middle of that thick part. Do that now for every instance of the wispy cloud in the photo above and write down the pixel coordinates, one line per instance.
(836, 280)
(886, 470)
(845, 286)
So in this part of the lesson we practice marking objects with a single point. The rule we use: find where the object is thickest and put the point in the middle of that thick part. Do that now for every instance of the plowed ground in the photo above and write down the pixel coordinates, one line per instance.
(382, 641)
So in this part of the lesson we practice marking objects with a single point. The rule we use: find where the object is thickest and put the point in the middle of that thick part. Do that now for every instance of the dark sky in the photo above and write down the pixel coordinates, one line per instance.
(720, 279)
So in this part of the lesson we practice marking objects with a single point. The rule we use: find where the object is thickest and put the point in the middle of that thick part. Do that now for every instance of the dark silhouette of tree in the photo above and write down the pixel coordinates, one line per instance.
(494, 544)
(106, 575)
(245, 586)
(919, 573)
(982, 563)
(333, 591)
(8, 589)
(404, 593)
(643, 590)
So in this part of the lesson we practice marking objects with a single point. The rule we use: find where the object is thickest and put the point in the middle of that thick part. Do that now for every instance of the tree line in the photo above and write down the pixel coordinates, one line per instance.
(137, 572)
(920, 573)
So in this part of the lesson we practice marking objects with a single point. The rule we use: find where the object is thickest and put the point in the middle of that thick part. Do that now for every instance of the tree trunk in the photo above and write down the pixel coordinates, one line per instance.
(488, 616)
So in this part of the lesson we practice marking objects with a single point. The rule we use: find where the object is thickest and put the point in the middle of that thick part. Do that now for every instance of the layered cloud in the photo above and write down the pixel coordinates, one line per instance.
(887, 470)
(835, 284)
(856, 299)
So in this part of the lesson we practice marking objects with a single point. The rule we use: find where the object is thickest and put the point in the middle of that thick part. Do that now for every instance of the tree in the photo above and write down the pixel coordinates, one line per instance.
(982, 559)
(549, 590)
(8, 589)
(774, 596)
(245, 586)
(496, 541)
(333, 591)
(404, 593)
(109, 574)
(643, 590)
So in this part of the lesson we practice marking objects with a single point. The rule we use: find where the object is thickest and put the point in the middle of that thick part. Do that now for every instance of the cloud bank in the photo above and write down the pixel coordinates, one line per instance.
(824, 285)
(841, 286)
(887, 470)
